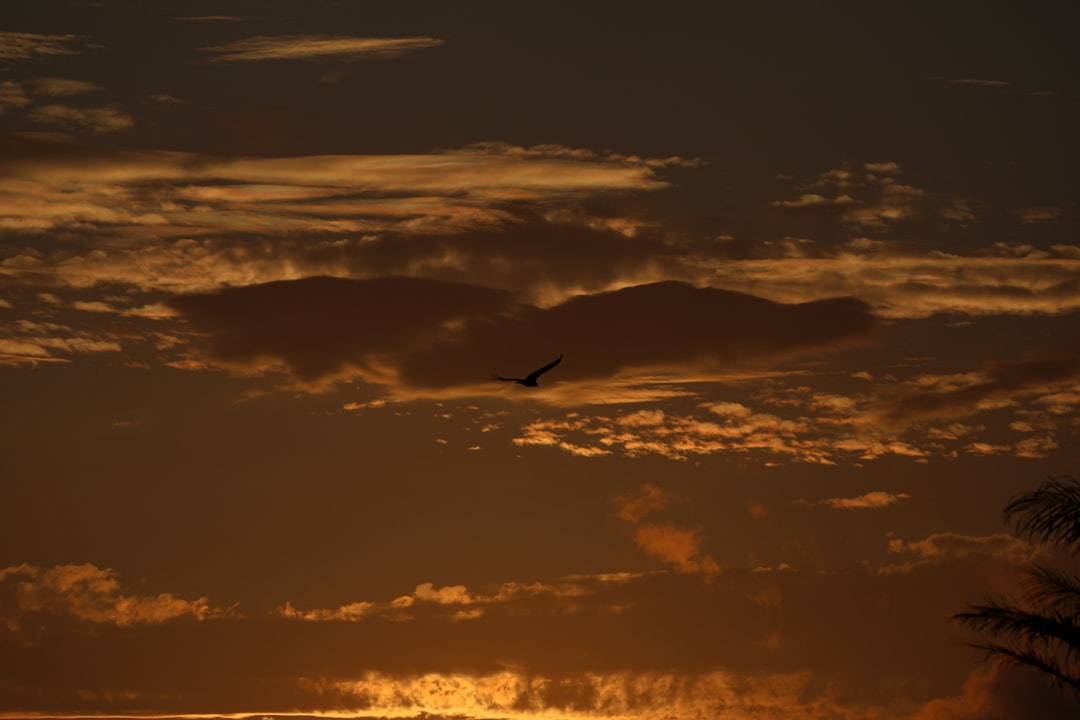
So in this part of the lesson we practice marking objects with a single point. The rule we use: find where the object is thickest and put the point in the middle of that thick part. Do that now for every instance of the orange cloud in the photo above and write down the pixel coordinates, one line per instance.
(649, 499)
(874, 499)
(984, 550)
(679, 547)
(1001, 692)
(88, 593)
(27, 342)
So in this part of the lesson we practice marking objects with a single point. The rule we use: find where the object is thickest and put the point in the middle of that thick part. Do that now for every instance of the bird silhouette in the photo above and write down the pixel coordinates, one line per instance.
(530, 379)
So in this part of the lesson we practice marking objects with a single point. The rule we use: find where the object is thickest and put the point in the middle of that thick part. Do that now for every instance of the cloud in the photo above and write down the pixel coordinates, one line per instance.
(997, 381)
(649, 499)
(12, 95)
(949, 547)
(646, 696)
(1041, 214)
(427, 592)
(998, 85)
(657, 327)
(974, 82)
(905, 283)
(870, 198)
(870, 500)
(442, 212)
(647, 645)
(87, 593)
(317, 47)
(1002, 692)
(489, 213)
(26, 46)
(216, 18)
(786, 420)
(449, 337)
(96, 120)
(428, 602)
(322, 326)
(60, 87)
(677, 546)
(347, 613)
(29, 342)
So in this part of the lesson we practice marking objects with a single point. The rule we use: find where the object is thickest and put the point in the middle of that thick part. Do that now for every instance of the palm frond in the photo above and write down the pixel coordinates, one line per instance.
(1050, 513)
(1063, 677)
(1056, 631)
(1054, 590)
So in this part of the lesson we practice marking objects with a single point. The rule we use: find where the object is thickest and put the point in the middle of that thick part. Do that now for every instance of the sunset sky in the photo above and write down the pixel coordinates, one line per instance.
(813, 270)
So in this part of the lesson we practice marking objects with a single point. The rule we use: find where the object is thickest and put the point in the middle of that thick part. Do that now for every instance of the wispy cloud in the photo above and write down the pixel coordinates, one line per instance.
(453, 603)
(649, 499)
(999, 85)
(61, 87)
(871, 197)
(27, 342)
(494, 214)
(997, 384)
(975, 82)
(25, 46)
(94, 119)
(317, 47)
(949, 546)
(12, 95)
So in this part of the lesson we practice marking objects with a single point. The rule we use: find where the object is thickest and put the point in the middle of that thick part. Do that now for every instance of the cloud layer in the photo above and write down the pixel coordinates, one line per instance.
(427, 336)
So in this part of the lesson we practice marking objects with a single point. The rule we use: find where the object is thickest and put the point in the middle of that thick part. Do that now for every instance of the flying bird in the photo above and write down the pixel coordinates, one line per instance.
(530, 379)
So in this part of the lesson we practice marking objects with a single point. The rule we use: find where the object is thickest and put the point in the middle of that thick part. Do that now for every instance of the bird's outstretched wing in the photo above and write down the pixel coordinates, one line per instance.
(531, 377)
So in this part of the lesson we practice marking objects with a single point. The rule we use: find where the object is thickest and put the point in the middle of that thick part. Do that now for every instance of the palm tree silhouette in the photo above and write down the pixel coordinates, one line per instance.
(1042, 628)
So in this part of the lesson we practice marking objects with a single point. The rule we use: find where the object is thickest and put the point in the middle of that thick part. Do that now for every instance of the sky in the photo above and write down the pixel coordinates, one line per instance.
(812, 270)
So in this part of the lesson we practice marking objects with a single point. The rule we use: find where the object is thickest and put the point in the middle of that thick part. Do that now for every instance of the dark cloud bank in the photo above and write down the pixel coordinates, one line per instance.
(438, 334)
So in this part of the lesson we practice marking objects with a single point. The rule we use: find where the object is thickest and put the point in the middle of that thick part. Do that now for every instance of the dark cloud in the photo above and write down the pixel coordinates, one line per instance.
(667, 325)
(319, 325)
(1003, 692)
(438, 335)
